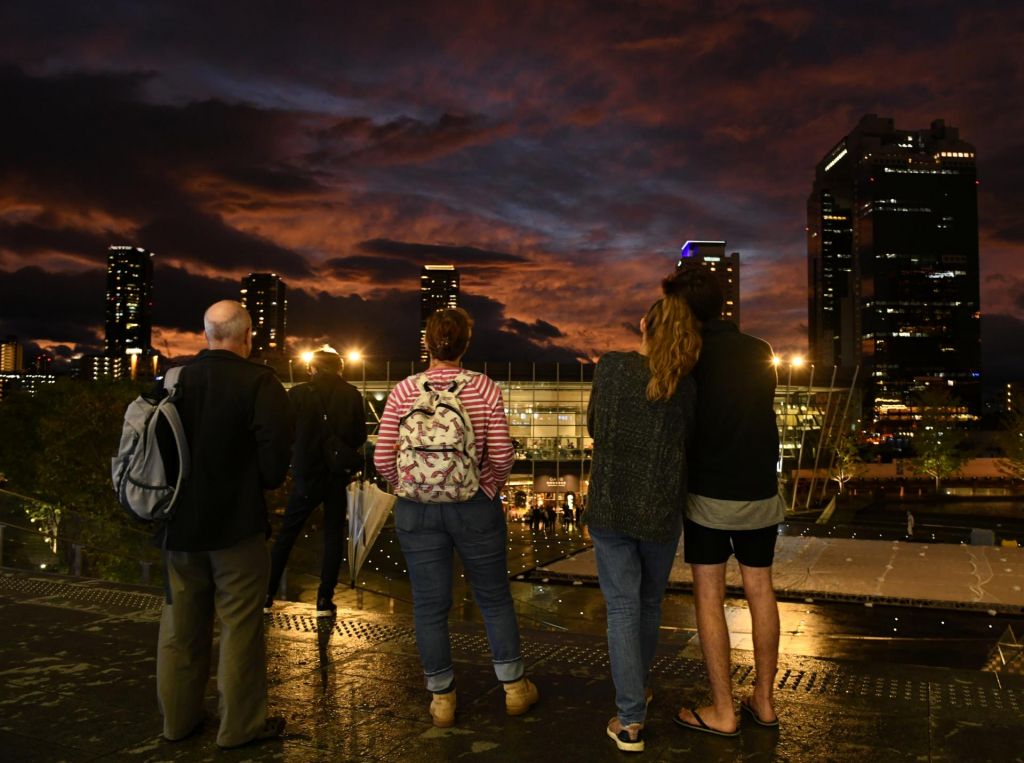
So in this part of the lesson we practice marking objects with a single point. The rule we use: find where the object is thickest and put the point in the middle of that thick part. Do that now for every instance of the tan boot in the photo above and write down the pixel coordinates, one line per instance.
(442, 709)
(520, 696)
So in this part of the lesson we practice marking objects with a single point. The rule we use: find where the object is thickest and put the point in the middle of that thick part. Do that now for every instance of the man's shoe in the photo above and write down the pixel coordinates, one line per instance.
(268, 605)
(273, 728)
(520, 696)
(325, 608)
(442, 709)
(627, 738)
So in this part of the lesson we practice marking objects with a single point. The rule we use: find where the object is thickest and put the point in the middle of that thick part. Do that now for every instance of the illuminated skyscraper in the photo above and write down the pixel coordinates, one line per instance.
(11, 358)
(439, 288)
(129, 314)
(892, 226)
(711, 255)
(263, 295)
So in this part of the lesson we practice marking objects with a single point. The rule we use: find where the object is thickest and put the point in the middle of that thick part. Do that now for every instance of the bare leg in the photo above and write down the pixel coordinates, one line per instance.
(709, 599)
(764, 620)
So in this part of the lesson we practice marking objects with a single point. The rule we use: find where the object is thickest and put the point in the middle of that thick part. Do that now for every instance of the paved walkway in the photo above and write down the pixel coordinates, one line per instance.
(916, 574)
(76, 684)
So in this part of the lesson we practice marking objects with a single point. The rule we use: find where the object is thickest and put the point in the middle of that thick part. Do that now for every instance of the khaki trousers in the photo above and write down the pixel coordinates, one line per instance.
(232, 582)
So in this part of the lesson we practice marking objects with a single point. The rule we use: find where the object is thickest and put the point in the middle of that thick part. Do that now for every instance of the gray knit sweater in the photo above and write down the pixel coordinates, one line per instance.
(638, 476)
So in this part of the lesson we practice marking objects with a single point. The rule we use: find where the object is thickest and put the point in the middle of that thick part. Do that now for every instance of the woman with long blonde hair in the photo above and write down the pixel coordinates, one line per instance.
(641, 411)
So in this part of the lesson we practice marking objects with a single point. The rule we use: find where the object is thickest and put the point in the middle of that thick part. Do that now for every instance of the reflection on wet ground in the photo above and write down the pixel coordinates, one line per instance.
(886, 634)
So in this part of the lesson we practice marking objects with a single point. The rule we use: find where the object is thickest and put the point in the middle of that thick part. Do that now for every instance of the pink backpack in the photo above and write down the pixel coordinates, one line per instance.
(437, 456)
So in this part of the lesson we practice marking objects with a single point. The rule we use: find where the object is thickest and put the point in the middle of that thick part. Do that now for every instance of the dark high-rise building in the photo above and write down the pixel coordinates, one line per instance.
(129, 315)
(263, 295)
(439, 288)
(711, 255)
(892, 226)
(11, 354)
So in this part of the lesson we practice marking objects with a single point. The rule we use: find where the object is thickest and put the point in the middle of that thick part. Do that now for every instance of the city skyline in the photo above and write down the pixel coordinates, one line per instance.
(559, 175)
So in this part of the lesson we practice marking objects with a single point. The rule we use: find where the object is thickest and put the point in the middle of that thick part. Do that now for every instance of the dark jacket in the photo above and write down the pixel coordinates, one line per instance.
(239, 431)
(736, 447)
(638, 477)
(346, 418)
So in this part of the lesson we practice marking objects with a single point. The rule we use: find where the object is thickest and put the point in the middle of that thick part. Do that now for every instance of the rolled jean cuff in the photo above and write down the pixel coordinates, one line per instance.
(440, 681)
(509, 671)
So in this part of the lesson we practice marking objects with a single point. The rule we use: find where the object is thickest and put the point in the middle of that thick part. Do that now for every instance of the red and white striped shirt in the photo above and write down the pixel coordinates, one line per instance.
(482, 400)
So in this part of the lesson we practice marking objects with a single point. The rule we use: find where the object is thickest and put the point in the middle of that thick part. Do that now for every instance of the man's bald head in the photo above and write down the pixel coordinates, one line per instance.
(228, 327)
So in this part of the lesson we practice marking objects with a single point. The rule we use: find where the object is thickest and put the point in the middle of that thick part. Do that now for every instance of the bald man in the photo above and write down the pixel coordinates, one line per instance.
(239, 431)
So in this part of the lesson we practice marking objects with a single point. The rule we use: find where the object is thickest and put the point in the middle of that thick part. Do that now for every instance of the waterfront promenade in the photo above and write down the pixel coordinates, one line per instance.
(77, 664)
(941, 575)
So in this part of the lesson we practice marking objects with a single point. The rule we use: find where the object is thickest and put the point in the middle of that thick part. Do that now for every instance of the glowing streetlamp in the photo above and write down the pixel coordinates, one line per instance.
(353, 356)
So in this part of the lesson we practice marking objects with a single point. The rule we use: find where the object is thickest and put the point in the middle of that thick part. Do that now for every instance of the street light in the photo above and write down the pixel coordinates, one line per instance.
(354, 356)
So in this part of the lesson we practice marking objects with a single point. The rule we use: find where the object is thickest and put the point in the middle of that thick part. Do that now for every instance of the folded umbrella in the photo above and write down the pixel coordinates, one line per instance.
(368, 509)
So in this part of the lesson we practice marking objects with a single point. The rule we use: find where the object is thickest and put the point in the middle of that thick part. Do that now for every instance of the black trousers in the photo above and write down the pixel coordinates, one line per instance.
(306, 495)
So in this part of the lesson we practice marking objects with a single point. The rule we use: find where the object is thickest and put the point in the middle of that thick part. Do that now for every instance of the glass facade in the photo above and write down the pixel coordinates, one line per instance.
(263, 295)
(546, 405)
(129, 312)
(893, 266)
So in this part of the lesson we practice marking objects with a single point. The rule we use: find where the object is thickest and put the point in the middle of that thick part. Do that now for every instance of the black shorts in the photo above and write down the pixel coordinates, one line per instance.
(706, 545)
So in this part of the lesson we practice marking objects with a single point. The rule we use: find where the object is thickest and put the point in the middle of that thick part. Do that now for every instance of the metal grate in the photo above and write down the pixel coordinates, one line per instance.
(82, 593)
(364, 630)
(833, 682)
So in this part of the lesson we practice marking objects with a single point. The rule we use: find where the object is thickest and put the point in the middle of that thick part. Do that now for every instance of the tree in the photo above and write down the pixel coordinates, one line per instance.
(847, 463)
(56, 448)
(938, 440)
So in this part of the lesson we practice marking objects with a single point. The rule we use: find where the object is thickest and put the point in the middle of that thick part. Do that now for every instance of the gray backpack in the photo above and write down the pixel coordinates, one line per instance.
(140, 476)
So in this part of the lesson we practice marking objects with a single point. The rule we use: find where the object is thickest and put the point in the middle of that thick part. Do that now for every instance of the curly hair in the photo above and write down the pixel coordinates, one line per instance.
(672, 344)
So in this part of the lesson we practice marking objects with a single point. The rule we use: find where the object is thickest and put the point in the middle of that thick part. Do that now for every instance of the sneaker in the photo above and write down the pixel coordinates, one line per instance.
(627, 738)
(325, 608)
(268, 605)
(520, 696)
(442, 709)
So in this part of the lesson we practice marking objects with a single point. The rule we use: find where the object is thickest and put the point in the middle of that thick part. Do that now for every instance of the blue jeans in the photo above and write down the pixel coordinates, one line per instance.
(428, 534)
(633, 574)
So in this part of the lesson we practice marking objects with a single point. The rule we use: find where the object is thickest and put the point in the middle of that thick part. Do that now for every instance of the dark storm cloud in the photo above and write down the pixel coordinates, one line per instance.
(436, 253)
(180, 298)
(404, 140)
(206, 238)
(1002, 348)
(378, 268)
(538, 331)
(90, 143)
(35, 237)
(27, 305)
(491, 340)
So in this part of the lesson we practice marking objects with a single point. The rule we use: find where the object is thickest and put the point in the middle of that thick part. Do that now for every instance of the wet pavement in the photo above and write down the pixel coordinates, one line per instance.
(76, 683)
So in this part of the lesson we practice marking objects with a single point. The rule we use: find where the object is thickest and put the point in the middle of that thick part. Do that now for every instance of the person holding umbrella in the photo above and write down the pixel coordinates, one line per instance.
(444, 445)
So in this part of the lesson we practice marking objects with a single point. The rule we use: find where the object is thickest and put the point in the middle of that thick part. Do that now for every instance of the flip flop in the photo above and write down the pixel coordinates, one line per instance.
(702, 726)
(745, 705)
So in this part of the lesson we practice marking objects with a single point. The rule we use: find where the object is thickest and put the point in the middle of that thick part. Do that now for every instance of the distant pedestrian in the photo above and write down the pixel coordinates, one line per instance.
(641, 410)
(455, 469)
(237, 424)
(734, 507)
(330, 427)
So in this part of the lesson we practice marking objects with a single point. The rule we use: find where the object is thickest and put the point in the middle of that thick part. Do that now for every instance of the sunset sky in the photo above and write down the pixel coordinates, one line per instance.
(558, 153)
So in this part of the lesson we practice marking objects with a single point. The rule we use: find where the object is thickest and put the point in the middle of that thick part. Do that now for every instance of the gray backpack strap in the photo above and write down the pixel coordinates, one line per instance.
(169, 411)
(171, 381)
